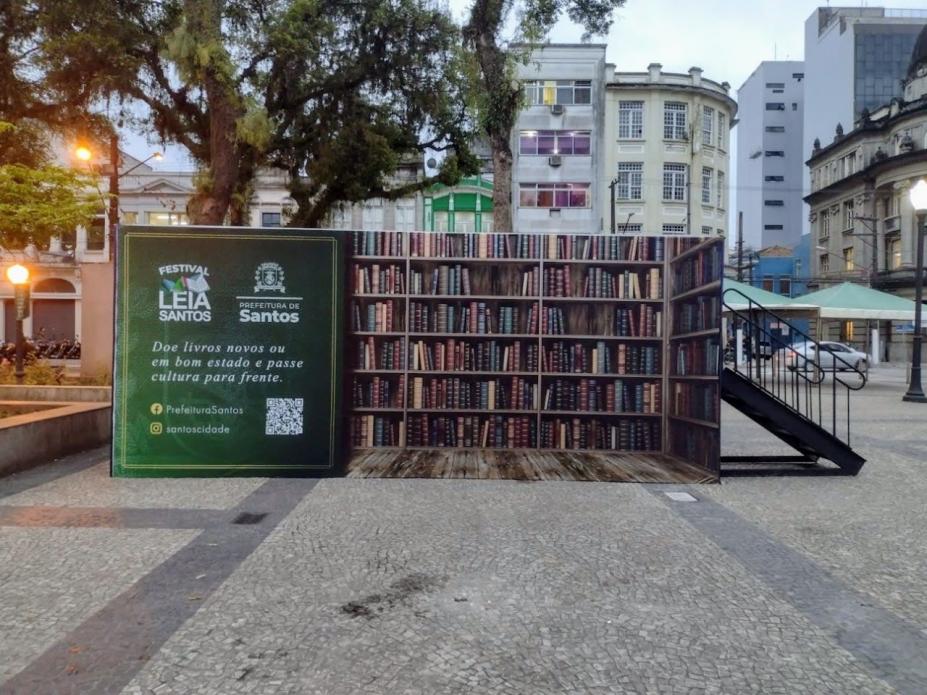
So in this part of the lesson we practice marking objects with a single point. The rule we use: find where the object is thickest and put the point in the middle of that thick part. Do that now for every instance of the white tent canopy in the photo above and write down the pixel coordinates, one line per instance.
(848, 301)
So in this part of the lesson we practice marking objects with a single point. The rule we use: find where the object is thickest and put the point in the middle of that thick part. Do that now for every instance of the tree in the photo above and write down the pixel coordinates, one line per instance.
(38, 203)
(493, 66)
(246, 83)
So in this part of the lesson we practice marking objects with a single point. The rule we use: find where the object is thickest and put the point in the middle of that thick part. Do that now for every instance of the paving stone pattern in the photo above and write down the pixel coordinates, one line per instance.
(455, 586)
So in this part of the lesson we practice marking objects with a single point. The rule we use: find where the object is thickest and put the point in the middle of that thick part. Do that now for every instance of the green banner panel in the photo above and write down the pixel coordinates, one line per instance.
(228, 352)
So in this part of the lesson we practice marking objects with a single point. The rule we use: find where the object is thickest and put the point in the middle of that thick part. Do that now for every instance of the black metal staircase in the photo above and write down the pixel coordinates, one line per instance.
(791, 395)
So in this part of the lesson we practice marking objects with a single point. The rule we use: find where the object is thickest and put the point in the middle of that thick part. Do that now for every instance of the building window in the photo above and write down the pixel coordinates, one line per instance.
(774, 178)
(674, 229)
(721, 190)
(785, 285)
(674, 182)
(775, 85)
(848, 215)
(630, 120)
(775, 153)
(341, 217)
(630, 181)
(405, 216)
(270, 219)
(722, 130)
(893, 253)
(674, 120)
(775, 129)
(708, 125)
(706, 185)
(798, 76)
(794, 106)
(554, 195)
(768, 283)
(847, 331)
(373, 215)
(774, 203)
(128, 217)
(824, 262)
(548, 142)
(706, 230)
(465, 222)
(168, 218)
(549, 92)
(630, 229)
(96, 233)
(775, 106)
(848, 263)
(773, 227)
(824, 225)
(441, 221)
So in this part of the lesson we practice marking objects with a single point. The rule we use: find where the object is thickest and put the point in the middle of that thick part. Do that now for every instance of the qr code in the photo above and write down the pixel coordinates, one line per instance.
(284, 416)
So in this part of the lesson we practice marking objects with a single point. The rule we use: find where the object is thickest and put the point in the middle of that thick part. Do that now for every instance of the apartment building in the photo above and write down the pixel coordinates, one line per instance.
(666, 153)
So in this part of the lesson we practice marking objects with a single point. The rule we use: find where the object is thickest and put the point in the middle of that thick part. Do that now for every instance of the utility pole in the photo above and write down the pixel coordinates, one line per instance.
(611, 226)
(740, 246)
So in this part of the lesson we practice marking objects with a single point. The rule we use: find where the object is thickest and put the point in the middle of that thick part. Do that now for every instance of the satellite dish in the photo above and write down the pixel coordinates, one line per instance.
(431, 163)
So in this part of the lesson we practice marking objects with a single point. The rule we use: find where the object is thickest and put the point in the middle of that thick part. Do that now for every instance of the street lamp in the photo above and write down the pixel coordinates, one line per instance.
(18, 275)
(919, 203)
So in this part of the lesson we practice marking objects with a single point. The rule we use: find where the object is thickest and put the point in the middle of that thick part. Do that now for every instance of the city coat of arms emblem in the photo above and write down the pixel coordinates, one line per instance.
(269, 278)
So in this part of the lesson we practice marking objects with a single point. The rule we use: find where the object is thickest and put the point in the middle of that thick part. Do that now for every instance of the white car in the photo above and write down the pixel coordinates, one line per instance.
(831, 356)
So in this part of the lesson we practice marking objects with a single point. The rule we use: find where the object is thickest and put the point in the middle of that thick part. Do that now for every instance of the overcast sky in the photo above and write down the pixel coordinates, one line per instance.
(726, 38)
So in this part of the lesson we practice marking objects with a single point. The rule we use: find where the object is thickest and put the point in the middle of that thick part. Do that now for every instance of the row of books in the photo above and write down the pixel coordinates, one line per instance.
(495, 431)
(445, 245)
(378, 392)
(694, 400)
(623, 285)
(472, 317)
(697, 314)
(606, 248)
(377, 430)
(451, 355)
(584, 433)
(700, 446)
(700, 269)
(455, 393)
(381, 243)
(382, 354)
(376, 317)
(603, 396)
(701, 357)
(443, 280)
(638, 321)
(582, 358)
(377, 279)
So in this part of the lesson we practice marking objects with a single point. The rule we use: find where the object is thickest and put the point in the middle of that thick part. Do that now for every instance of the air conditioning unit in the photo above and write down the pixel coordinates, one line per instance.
(557, 109)
(554, 160)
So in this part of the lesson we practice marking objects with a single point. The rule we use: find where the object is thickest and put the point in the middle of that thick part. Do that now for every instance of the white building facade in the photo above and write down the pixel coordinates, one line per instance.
(770, 165)
(557, 141)
(666, 152)
(855, 59)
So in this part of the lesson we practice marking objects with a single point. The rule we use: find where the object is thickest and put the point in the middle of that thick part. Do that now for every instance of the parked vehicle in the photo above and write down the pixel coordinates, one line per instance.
(831, 356)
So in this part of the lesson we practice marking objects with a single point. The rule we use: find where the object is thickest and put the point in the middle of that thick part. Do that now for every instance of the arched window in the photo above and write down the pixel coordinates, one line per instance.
(54, 285)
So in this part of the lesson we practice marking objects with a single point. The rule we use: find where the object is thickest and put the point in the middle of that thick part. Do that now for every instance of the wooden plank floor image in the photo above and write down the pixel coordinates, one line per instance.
(523, 465)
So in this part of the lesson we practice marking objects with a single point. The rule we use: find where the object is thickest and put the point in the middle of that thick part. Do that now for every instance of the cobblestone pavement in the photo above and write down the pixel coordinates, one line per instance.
(762, 585)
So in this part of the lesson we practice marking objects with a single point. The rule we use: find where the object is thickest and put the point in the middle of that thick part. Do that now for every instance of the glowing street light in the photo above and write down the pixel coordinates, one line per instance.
(18, 275)
(918, 197)
(83, 153)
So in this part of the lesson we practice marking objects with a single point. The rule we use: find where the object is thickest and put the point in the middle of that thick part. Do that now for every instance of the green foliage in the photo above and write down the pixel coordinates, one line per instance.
(37, 203)
(37, 373)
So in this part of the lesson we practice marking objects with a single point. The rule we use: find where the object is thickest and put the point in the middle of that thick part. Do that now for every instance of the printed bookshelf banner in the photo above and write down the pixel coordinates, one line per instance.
(228, 352)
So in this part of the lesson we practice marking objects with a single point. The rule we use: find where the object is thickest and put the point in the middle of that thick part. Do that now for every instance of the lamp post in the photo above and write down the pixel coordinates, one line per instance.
(18, 275)
(915, 391)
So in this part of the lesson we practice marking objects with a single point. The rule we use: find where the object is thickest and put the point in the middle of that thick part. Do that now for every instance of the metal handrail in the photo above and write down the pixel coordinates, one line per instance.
(785, 385)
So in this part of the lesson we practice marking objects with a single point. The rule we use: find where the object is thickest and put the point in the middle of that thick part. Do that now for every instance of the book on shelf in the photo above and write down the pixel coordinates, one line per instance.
(701, 268)
(602, 396)
(697, 314)
(638, 321)
(466, 393)
(377, 279)
(378, 243)
(377, 430)
(378, 392)
(605, 248)
(632, 434)
(454, 354)
(697, 357)
(483, 431)
(696, 401)
(623, 284)
(476, 246)
(476, 317)
(375, 317)
(379, 354)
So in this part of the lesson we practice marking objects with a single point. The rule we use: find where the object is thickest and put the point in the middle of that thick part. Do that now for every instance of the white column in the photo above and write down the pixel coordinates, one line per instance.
(738, 346)
(77, 319)
(874, 358)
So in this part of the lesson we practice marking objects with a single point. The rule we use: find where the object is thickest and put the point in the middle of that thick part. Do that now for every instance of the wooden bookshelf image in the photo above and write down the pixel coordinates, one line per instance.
(536, 345)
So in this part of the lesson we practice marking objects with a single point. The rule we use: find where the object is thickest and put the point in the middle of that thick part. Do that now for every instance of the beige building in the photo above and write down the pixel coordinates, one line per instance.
(666, 151)
(862, 222)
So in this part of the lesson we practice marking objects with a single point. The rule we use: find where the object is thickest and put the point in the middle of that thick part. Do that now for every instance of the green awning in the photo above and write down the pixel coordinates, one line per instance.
(734, 298)
(850, 301)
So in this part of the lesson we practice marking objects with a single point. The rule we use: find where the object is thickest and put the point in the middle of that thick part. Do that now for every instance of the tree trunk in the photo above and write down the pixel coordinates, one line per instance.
(210, 204)
(501, 183)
